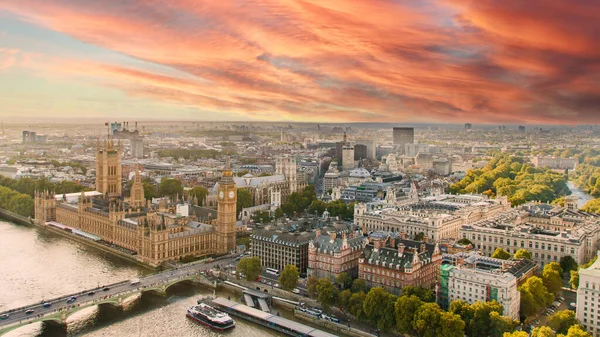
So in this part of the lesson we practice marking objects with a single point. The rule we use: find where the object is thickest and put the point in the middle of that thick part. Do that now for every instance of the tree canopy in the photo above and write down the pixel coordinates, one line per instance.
(522, 254)
(170, 187)
(500, 253)
(512, 177)
(244, 199)
(250, 267)
(574, 281)
(289, 277)
(534, 296)
(199, 192)
(561, 321)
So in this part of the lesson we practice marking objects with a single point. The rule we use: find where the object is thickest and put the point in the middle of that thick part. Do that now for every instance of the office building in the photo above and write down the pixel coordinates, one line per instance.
(437, 217)
(347, 157)
(370, 147)
(402, 136)
(360, 152)
(468, 126)
(393, 262)
(548, 232)
(588, 298)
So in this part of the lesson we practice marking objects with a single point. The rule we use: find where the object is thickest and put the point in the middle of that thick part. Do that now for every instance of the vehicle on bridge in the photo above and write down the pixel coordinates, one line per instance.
(210, 317)
(47, 305)
(5, 316)
(71, 300)
(29, 312)
(134, 281)
(106, 289)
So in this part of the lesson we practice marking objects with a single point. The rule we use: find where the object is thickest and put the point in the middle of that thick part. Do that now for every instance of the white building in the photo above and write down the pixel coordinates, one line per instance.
(473, 285)
(588, 298)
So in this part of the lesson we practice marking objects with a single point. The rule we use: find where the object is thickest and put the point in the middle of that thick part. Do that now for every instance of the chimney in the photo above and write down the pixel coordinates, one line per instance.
(425, 238)
(422, 248)
(331, 236)
(400, 249)
(403, 235)
(378, 243)
(393, 241)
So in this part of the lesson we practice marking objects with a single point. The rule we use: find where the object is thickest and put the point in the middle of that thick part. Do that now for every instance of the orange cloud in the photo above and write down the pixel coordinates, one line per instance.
(448, 60)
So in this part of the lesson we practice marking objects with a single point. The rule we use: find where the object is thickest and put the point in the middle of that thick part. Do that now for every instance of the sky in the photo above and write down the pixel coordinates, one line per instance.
(442, 61)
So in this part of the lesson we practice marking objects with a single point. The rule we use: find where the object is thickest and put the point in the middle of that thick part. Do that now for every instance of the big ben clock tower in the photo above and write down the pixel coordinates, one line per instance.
(226, 216)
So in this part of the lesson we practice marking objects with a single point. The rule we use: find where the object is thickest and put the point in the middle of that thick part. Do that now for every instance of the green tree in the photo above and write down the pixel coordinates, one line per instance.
(534, 296)
(375, 304)
(327, 294)
(149, 190)
(500, 253)
(356, 305)
(289, 277)
(561, 321)
(317, 206)
(575, 273)
(170, 187)
(577, 331)
(543, 331)
(359, 285)
(343, 280)
(344, 299)
(516, 334)
(244, 199)
(500, 324)
(279, 213)
(311, 286)
(426, 295)
(419, 236)
(522, 254)
(427, 320)
(481, 322)
(21, 204)
(568, 263)
(464, 310)
(451, 325)
(552, 280)
(250, 267)
(405, 308)
(592, 206)
(465, 242)
(199, 192)
(262, 217)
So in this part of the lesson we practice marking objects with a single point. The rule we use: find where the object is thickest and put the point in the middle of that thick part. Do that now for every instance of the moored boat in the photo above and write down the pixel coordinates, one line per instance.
(210, 317)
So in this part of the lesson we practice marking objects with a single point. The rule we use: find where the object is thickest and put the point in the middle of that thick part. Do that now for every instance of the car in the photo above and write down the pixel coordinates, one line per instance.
(5, 316)
(263, 281)
(276, 285)
(314, 312)
(330, 318)
(270, 283)
(72, 299)
(561, 298)
(91, 293)
(47, 305)
(29, 312)
(296, 291)
(106, 289)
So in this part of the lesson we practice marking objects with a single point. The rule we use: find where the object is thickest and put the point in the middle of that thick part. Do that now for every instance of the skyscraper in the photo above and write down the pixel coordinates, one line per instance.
(403, 136)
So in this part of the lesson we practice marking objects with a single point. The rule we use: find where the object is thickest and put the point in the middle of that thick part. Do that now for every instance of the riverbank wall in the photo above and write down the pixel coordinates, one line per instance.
(13, 217)
(339, 328)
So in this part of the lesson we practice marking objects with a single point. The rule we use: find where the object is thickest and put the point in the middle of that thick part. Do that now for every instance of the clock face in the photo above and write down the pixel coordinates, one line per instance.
(231, 194)
(221, 194)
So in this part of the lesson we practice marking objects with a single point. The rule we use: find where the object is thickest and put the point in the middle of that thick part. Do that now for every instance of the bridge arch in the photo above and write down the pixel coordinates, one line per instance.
(180, 282)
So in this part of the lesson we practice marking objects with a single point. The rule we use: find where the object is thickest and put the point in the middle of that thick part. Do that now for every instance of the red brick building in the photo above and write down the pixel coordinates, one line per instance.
(329, 255)
(393, 263)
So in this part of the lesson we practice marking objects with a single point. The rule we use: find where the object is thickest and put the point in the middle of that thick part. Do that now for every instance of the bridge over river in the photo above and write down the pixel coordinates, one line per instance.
(113, 295)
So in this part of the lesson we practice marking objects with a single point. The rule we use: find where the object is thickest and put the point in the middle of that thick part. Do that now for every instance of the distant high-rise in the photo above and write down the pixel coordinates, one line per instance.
(468, 126)
(347, 157)
(403, 136)
(522, 128)
(360, 151)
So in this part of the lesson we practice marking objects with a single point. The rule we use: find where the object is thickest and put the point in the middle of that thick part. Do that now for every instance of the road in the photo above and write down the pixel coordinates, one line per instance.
(96, 294)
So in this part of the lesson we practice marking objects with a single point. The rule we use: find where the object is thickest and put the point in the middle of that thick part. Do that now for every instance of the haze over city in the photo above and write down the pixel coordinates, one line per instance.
(485, 61)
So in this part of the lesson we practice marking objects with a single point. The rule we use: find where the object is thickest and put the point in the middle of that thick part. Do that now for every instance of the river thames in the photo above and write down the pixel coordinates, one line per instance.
(38, 265)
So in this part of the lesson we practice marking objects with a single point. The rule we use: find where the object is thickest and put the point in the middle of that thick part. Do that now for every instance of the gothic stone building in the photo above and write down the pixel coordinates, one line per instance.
(154, 235)
(393, 263)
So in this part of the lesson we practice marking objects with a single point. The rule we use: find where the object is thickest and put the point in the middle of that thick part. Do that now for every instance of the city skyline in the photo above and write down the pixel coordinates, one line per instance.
(447, 61)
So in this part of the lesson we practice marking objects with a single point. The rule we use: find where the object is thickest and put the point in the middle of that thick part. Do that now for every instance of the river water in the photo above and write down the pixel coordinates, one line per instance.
(583, 197)
(37, 264)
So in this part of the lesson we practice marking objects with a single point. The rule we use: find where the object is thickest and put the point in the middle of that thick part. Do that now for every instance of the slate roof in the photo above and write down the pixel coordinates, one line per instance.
(389, 257)
(324, 244)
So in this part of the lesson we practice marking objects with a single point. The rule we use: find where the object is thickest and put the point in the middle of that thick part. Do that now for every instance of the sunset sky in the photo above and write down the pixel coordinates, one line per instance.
(455, 61)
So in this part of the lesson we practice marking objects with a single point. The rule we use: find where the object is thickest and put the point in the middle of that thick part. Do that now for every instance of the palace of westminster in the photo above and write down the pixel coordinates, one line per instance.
(152, 233)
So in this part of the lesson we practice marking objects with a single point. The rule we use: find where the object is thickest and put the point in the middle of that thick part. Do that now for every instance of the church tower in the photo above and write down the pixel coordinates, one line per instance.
(136, 199)
(226, 211)
(108, 168)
